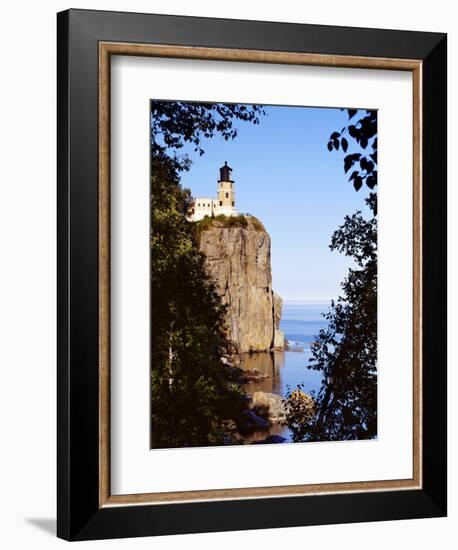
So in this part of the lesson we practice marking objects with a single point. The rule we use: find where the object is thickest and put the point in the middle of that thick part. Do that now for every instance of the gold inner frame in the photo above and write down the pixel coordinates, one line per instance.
(106, 50)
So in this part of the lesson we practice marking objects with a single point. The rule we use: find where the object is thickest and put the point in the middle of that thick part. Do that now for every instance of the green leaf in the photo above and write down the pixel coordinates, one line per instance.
(371, 182)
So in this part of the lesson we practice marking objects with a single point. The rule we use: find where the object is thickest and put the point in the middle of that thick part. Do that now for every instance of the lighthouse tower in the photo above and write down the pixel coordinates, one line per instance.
(223, 204)
(226, 192)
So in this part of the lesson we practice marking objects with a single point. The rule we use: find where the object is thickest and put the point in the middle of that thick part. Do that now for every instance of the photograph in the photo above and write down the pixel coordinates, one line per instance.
(263, 260)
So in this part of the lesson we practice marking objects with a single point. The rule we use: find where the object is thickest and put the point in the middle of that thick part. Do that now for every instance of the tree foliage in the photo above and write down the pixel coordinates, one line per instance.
(175, 123)
(194, 396)
(363, 134)
(345, 352)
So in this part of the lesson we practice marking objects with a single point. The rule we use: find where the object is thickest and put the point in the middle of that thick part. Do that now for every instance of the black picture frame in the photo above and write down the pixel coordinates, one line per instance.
(80, 516)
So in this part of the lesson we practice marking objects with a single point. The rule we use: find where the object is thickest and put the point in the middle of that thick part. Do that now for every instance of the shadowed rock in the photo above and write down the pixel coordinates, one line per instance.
(269, 439)
(251, 422)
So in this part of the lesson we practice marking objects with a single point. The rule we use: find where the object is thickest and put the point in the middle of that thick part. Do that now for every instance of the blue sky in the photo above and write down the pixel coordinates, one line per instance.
(285, 176)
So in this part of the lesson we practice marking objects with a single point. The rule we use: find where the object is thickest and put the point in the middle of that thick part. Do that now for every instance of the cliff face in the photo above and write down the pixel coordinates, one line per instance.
(238, 261)
(279, 337)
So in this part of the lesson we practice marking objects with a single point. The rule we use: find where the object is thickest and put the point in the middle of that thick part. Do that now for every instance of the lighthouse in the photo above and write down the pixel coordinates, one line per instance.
(226, 191)
(223, 204)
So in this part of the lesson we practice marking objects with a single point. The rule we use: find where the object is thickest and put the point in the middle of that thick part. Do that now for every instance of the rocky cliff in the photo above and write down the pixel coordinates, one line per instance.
(237, 252)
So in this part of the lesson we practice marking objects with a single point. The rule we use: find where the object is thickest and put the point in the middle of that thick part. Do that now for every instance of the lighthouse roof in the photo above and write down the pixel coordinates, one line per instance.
(225, 172)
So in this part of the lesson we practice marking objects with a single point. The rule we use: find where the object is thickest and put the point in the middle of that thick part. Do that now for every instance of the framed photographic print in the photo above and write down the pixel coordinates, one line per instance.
(252, 274)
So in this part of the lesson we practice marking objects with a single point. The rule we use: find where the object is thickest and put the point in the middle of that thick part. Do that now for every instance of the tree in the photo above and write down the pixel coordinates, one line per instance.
(346, 351)
(175, 123)
(194, 396)
(363, 132)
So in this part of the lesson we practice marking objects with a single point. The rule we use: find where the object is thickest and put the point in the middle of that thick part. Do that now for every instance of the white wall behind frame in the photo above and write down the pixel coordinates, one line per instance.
(28, 303)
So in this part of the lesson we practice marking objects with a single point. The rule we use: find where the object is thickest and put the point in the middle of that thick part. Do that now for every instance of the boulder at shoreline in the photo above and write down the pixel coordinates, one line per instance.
(268, 405)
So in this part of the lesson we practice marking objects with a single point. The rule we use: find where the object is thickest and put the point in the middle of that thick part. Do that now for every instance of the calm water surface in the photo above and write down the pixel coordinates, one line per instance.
(301, 324)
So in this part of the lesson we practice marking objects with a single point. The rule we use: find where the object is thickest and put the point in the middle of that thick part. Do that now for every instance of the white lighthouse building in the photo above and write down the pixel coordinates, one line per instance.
(223, 204)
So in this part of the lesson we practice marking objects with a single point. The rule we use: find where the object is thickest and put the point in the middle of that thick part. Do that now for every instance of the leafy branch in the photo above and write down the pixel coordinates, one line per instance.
(176, 123)
(364, 133)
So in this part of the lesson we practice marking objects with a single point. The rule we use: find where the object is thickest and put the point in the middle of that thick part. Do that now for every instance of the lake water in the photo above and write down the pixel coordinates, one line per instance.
(301, 323)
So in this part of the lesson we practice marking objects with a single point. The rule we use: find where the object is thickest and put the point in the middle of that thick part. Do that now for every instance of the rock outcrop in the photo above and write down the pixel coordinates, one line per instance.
(279, 337)
(237, 255)
(278, 306)
(268, 405)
